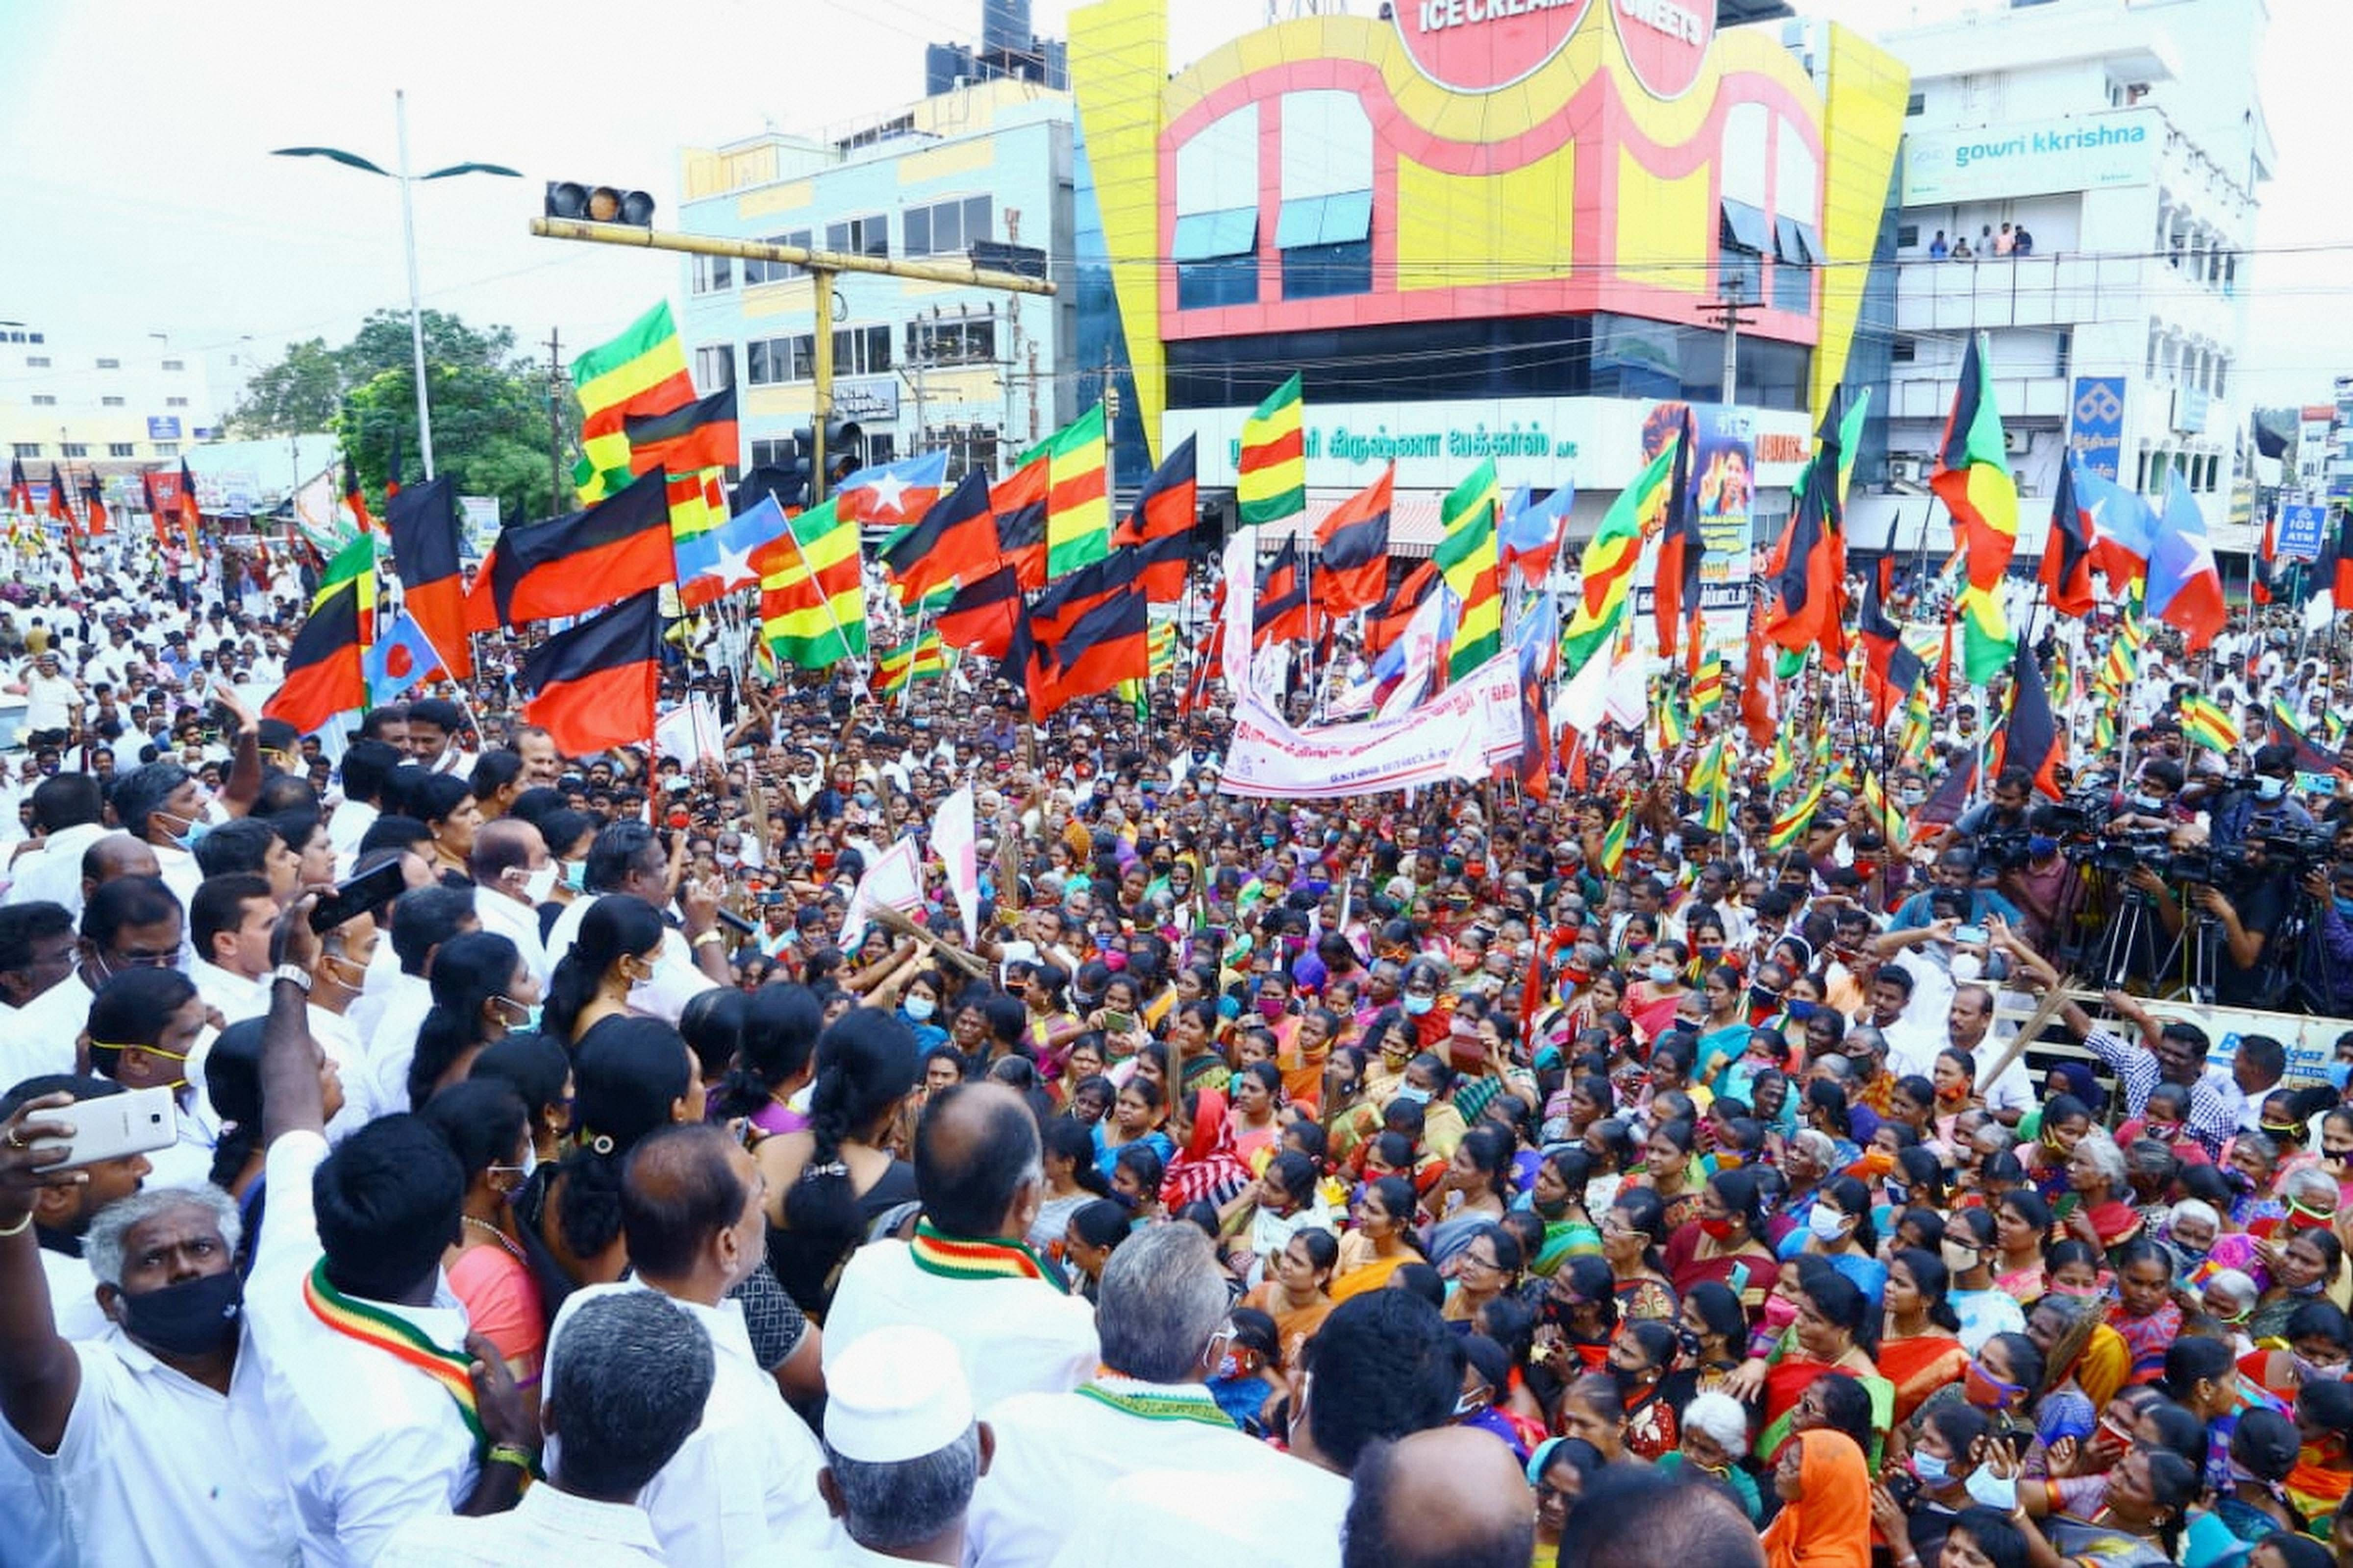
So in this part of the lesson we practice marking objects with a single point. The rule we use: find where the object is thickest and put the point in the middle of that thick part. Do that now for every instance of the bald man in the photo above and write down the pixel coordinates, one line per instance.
(513, 875)
(1452, 1497)
(116, 855)
(968, 1273)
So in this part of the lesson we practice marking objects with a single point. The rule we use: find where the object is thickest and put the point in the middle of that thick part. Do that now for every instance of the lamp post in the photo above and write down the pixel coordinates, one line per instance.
(408, 241)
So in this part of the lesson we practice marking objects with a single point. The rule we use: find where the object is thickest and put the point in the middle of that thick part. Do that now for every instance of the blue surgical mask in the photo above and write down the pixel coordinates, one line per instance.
(2338, 1073)
(2344, 905)
(2148, 802)
(1416, 1004)
(2269, 788)
(575, 875)
(1997, 1492)
(1930, 1468)
(198, 827)
(530, 1024)
(1413, 1092)
(1663, 974)
(919, 1008)
(1798, 1008)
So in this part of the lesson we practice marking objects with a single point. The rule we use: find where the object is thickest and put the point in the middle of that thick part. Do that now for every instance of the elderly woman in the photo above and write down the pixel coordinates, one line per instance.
(2102, 1216)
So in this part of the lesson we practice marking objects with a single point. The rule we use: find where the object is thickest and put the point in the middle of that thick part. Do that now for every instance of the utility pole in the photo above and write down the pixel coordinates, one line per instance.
(1732, 312)
(823, 266)
(555, 424)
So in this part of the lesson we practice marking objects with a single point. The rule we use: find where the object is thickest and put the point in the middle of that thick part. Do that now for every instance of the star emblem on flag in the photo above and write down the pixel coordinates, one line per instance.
(732, 569)
(887, 491)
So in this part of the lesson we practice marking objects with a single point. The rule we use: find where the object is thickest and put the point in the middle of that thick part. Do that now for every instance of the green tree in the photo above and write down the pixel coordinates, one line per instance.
(490, 408)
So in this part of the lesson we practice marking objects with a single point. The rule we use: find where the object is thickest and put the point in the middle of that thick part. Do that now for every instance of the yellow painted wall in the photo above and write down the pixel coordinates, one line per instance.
(1122, 48)
(1457, 230)
(790, 196)
(1863, 129)
(1664, 226)
(964, 157)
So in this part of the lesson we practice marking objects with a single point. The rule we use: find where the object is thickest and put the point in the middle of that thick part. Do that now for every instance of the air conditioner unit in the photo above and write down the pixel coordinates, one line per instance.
(2015, 441)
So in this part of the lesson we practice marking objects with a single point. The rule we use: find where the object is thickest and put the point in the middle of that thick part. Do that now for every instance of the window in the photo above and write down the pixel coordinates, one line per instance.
(1743, 234)
(175, 365)
(2222, 377)
(1904, 351)
(37, 361)
(1216, 258)
(882, 447)
(968, 446)
(714, 368)
(773, 454)
(45, 400)
(1907, 237)
(2063, 352)
(27, 448)
(175, 402)
(120, 449)
(771, 361)
(1917, 104)
(1796, 253)
(946, 228)
(861, 350)
(109, 365)
(74, 449)
(778, 271)
(860, 236)
(109, 403)
(167, 448)
(1326, 245)
(969, 341)
(713, 274)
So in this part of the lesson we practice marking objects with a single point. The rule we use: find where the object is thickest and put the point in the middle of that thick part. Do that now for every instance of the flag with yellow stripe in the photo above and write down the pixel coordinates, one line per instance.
(640, 372)
(812, 596)
(1468, 562)
(1270, 479)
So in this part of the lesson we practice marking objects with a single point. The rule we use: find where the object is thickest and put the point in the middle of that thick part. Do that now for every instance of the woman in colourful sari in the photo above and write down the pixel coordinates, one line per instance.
(1830, 1336)
(1920, 1350)
(1725, 1243)
(1724, 1032)
(1667, 1169)
(2144, 1313)
(2021, 1222)
(1556, 1197)
(1381, 1242)
(2101, 1184)
(1630, 1234)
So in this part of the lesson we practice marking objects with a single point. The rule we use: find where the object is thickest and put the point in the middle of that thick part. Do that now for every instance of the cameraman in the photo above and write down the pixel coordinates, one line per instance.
(2332, 892)
(2244, 918)
(2267, 807)
(2002, 815)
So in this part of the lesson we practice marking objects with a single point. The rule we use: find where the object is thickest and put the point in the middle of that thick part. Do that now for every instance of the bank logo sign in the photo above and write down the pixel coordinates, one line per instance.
(2095, 422)
(2013, 159)
(1479, 45)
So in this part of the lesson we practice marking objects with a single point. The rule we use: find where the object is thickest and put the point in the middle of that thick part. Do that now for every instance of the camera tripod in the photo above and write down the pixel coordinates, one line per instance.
(2193, 949)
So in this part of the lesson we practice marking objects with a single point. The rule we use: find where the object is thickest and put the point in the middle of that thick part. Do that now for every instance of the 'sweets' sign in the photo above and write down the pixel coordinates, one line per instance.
(1666, 41)
(1478, 46)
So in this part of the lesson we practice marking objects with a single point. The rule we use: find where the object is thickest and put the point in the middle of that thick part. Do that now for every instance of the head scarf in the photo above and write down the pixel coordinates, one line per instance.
(1829, 1526)
(1208, 1168)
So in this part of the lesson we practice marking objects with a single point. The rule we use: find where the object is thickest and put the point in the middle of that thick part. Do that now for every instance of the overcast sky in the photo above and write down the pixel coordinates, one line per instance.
(142, 197)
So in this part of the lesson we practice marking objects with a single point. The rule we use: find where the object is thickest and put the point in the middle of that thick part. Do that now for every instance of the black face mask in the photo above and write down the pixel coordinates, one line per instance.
(192, 1317)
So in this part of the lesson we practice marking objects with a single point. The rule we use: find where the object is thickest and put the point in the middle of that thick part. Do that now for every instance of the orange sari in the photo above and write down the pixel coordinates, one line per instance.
(1828, 1525)
(1920, 1366)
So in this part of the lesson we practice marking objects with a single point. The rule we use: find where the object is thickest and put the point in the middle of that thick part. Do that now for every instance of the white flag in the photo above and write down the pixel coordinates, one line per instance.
(894, 879)
(954, 841)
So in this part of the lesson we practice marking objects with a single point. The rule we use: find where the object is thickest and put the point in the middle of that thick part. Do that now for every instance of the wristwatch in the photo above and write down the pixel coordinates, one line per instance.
(294, 973)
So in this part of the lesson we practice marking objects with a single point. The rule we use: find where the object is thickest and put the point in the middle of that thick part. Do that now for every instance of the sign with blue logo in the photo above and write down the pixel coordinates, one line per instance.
(163, 427)
(2095, 422)
(2300, 527)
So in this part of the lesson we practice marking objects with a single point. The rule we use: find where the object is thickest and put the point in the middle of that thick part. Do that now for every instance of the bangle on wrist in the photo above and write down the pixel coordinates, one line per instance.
(512, 1454)
(20, 1226)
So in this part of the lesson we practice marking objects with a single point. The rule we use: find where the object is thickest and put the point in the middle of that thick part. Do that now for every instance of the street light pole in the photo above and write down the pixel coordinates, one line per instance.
(416, 306)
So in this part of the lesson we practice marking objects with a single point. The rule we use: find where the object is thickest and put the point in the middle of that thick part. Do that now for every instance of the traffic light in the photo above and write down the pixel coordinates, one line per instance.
(599, 203)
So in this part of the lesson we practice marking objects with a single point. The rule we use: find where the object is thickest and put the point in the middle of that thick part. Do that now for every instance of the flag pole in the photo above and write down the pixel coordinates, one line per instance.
(825, 599)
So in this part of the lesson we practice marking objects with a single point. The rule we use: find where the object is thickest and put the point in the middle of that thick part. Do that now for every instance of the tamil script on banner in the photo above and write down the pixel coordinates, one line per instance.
(1461, 733)
(2310, 1041)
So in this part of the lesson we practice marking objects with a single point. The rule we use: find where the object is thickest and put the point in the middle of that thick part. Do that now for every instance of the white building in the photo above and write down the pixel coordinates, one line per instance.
(2125, 139)
(112, 408)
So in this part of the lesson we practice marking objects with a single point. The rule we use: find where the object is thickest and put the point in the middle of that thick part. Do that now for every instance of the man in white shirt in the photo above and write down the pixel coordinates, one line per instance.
(149, 1442)
(163, 805)
(229, 922)
(69, 813)
(626, 1392)
(1163, 1318)
(434, 725)
(903, 1451)
(367, 765)
(383, 1403)
(628, 858)
(1013, 1320)
(128, 922)
(422, 921)
(52, 697)
(693, 1214)
(512, 877)
(37, 952)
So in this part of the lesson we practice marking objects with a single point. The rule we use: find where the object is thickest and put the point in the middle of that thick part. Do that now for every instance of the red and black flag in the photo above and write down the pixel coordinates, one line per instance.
(691, 437)
(1160, 528)
(1068, 599)
(2259, 576)
(955, 542)
(2333, 572)
(95, 521)
(1283, 610)
(20, 488)
(1890, 668)
(2031, 740)
(191, 516)
(593, 686)
(154, 506)
(1386, 623)
(60, 504)
(2066, 573)
(423, 526)
(354, 498)
(574, 564)
(323, 673)
(1805, 578)
(1675, 590)
(981, 618)
(1109, 644)
(1019, 504)
(1352, 544)
(1028, 665)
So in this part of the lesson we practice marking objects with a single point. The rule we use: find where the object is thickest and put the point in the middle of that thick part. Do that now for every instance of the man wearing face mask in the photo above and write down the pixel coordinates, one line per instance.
(2269, 808)
(148, 1443)
(513, 875)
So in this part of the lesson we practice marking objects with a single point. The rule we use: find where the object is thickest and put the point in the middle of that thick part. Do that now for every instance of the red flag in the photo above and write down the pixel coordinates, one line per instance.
(2259, 581)
(586, 561)
(2066, 572)
(354, 498)
(60, 505)
(1109, 644)
(1352, 545)
(1674, 589)
(687, 438)
(1160, 528)
(422, 525)
(1019, 504)
(1384, 625)
(982, 616)
(1281, 598)
(95, 519)
(955, 542)
(1069, 598)
(191, 518)
(323, 673)
(20, 488)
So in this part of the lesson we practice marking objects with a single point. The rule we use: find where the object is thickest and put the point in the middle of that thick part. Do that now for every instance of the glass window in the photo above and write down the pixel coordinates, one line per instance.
(714, 368)
(970, 340)
(867, 236)
(122, 449)
(713, 274)
(109, 402)
(776, 271)
(1324, 220)
(74, 449)
(37, 361)
(861, 350)
(109, 365)
(1207, 237)
(27, 448)
(44, 400)
(770, 362)
(175, 365)
(916, 228)
(1321, 271)
(175, 402)
(167, 448)
(773, 454)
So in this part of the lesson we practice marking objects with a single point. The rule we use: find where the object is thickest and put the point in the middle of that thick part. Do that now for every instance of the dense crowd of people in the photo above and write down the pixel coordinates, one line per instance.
(567, 1159)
